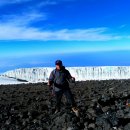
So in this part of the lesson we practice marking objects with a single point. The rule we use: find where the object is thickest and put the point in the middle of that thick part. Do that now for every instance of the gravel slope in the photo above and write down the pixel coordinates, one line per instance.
(102, 106)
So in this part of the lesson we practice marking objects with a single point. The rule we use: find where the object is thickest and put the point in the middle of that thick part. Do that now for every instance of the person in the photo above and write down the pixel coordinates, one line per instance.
(59, 83)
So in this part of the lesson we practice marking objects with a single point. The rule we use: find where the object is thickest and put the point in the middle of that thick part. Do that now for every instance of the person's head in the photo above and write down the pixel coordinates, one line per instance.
(58, 64)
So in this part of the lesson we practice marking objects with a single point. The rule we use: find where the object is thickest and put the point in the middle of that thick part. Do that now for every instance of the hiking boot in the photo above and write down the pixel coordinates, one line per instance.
(76, 111)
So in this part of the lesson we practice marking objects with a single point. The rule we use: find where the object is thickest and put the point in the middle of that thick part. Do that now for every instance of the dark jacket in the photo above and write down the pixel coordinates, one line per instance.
(60, 78)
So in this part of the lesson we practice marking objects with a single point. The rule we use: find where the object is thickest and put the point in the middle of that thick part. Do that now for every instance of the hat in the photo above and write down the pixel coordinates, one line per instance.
(58, 62)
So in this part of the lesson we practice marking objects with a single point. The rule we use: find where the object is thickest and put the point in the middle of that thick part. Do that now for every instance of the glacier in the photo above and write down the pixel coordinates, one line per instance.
(6, 80)
(41, 74)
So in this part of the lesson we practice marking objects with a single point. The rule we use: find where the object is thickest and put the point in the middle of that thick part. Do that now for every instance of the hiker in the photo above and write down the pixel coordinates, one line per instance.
(59, 83)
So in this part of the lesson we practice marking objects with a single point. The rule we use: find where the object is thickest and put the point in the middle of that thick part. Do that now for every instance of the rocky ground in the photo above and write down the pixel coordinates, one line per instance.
(102, 106)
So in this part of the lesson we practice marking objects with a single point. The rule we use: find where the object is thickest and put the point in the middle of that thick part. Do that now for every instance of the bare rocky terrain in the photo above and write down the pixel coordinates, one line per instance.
(102, 106)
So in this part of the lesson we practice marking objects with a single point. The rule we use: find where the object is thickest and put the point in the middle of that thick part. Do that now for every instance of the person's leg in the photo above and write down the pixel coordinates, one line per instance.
(69, 97)
(58, 96)
(71, 100)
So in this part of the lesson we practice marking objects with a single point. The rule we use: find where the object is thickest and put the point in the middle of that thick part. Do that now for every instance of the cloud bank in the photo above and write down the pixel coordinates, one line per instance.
(18, 26)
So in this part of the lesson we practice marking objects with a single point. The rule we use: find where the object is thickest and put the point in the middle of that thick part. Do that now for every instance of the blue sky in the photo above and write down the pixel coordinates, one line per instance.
(80, 32)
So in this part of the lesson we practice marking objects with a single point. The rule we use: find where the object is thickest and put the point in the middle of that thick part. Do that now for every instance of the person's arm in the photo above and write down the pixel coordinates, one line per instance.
(70, 78)
(51, 80)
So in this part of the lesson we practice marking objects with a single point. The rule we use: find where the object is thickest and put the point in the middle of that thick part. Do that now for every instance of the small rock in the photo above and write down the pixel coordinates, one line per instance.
(91, 126)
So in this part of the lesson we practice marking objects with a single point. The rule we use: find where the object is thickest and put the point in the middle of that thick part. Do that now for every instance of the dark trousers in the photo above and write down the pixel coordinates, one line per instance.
(69, 96)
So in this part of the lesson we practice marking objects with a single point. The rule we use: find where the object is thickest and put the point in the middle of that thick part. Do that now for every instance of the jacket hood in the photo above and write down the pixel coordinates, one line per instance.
(63, 67)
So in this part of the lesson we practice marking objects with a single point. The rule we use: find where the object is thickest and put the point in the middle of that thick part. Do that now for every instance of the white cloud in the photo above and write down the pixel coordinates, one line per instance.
(128, 37)
(5, 2)
(16, 27)
(40, 3)
(122, 26)
(22, 19)
(12, 32)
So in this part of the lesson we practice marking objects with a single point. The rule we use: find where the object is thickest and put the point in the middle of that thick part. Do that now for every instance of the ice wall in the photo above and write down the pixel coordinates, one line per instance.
(80, 73)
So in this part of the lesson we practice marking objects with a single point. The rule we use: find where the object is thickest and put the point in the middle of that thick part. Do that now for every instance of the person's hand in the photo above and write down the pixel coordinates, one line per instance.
(52, 92)
(73, 80)
(48, 84)
(50, 88)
